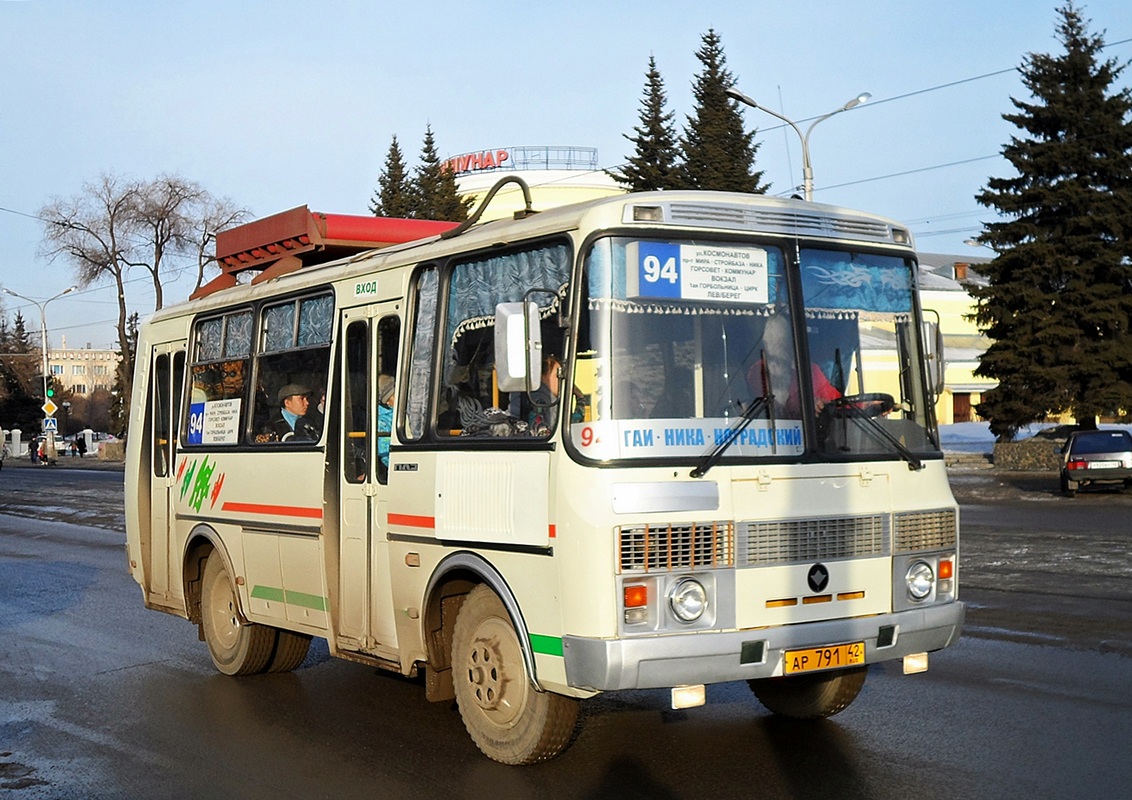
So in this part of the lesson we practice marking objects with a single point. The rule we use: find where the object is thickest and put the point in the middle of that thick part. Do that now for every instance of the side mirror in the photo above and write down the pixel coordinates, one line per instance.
(933, 353)
(518, 347)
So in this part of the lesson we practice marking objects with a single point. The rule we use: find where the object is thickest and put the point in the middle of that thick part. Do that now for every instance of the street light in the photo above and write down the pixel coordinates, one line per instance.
(43, 342)
(807, 168)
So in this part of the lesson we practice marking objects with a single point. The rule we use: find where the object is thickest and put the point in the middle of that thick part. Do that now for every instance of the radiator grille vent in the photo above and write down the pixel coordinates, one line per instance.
(791, 541)
(649, 548)
(925, 530)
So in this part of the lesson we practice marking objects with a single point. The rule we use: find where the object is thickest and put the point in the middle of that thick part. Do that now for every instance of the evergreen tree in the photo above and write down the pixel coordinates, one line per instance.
(435, 187)
(654, 163)
(21, 387)
(1059, 301)
(718, 153)
(20, 341)
(394, 196)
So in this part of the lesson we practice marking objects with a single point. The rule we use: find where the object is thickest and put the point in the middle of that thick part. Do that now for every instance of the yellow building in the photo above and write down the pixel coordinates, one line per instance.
(943, 289)
(82, 370)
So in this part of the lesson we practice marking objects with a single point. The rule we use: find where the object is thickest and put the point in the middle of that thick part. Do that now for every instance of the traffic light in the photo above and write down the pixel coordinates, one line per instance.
(50, 383)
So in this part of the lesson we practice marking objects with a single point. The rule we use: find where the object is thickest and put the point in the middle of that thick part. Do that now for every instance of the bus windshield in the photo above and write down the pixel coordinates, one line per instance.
(689, 346)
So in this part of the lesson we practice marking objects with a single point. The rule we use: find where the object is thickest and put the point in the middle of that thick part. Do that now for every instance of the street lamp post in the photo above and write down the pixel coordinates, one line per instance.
(807, 167)
(42, 306)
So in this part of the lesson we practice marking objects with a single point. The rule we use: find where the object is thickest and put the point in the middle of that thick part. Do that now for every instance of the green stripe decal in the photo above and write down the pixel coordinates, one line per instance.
(268, 593)
(302, 599)
(547, 645)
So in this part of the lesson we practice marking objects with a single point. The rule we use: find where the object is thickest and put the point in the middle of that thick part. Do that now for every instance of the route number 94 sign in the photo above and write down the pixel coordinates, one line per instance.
(714, 273)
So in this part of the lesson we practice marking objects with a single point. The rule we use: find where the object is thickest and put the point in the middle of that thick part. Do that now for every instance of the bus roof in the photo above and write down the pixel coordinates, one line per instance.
(285, 242)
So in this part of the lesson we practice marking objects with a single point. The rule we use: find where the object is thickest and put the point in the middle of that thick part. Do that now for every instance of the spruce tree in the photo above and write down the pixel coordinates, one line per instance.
(654, 163)
(718, 153)
(1058, 305)
(394, 195)
(435, 187)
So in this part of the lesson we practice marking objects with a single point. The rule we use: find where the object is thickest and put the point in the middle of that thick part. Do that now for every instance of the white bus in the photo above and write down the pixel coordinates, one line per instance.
(653, 441)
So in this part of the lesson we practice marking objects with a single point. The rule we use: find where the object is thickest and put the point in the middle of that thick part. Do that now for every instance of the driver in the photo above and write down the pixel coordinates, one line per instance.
(778, 352)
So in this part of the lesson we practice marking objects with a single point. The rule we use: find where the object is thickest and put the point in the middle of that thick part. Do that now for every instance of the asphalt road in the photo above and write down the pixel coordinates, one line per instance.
(100, 698)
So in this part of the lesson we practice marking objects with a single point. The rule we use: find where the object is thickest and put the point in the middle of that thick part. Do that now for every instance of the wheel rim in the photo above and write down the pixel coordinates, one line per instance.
(493, 665)
(225, 622)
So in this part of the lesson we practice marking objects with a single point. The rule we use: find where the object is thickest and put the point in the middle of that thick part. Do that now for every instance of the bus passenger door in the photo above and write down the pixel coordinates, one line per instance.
(167, 380)
(369, 359)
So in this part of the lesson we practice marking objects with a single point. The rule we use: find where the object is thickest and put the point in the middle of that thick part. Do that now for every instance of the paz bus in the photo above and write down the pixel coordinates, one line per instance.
(659, 440)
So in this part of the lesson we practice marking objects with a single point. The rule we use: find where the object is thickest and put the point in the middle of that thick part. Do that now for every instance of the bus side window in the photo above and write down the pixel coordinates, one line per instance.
(355, 402)
(388, 339)
(292, 366)
(469, 400)
(219, 372)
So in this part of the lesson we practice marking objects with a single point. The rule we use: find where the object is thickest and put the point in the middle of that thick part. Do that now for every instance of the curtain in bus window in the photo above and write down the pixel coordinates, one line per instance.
(837, 280)
(478, 286)
(420, 359)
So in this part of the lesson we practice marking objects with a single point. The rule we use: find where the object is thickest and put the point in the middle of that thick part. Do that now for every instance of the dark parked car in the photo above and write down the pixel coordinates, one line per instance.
(1094, 457)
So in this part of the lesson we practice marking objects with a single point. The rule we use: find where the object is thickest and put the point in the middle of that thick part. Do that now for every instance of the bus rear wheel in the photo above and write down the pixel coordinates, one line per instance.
(290, 651)
(507, 717)
(813, 696)
(237, 646)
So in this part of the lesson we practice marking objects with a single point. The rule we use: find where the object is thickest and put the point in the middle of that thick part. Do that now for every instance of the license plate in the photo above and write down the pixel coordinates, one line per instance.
(832, 657)
(1104, 464)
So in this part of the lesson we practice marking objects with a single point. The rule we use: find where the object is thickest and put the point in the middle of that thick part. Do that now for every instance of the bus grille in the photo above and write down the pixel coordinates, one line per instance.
(925, 530)
(650, 548)
(790, 541)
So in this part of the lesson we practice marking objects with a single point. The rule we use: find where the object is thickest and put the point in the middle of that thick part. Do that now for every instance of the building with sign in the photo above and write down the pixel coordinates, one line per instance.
(556, 175)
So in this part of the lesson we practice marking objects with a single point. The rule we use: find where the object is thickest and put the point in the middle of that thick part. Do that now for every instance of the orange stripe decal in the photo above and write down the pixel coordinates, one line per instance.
(411, 521)
(274, 511)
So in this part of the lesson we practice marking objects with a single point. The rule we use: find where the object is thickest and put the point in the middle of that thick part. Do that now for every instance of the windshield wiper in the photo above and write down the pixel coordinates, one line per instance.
(871, 425)
(763, 403)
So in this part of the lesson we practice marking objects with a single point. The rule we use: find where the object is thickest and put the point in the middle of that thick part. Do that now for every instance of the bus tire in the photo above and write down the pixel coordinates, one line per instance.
(237, 647)
(290, 651)
(507, 717)
(814, 696)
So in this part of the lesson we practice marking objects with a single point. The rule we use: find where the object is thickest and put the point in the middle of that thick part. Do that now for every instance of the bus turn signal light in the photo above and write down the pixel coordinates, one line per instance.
(636, 596)
(945, 570)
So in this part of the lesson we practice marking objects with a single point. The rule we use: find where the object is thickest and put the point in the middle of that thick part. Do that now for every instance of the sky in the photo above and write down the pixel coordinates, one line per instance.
(278, 103)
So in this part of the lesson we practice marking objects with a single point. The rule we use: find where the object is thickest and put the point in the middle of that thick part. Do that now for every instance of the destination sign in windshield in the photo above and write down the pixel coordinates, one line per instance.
(714, 273)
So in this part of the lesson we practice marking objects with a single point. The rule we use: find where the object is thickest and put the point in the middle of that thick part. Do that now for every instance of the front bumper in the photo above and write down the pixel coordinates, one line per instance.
(650, 662)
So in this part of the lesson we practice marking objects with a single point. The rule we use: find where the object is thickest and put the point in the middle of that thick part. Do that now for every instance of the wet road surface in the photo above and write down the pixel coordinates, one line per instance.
(100, 698)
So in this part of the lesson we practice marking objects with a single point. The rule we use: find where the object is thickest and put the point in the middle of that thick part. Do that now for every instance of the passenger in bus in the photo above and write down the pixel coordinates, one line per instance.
(293, 424)
(385, 386)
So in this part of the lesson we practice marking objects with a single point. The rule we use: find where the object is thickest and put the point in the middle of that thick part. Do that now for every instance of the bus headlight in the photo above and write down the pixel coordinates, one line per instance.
(688, 599)
(920, 579)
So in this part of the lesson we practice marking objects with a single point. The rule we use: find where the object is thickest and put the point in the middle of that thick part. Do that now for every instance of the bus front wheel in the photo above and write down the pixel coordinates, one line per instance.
(507, 717)
(813, 696)
(237, 646)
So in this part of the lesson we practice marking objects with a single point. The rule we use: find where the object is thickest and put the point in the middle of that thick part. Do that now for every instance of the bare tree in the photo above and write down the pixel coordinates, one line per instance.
(114, 225)
(163, 213)
(95, 232)
(212, 216)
